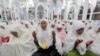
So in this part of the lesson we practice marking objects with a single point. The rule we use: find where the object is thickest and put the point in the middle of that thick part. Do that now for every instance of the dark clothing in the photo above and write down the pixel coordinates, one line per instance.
(51, 51)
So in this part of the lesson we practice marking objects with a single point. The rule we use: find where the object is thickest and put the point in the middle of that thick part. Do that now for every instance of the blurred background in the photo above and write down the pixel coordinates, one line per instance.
(49, 9)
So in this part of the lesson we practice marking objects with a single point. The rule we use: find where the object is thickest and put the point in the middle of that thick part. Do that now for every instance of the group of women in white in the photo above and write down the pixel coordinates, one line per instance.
(50, 38)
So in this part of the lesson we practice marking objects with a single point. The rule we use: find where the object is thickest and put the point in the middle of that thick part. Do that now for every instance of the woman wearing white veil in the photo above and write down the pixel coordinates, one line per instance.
(75, 42)
(4, 35)
(45, 40)
(93, 44)
(60, 38)
(22, 42)
(7, 49)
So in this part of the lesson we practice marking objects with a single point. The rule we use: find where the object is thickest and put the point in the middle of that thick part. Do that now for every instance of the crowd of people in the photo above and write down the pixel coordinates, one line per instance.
(50, 38)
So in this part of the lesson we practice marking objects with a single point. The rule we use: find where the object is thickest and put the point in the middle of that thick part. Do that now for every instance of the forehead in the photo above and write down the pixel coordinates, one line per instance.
(43, 21)
(80, 29)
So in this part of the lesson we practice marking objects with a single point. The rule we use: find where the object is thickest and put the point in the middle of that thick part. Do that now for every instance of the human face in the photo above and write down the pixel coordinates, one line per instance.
(14, 33)
(44, 25)
(59, 29)
(80, 31)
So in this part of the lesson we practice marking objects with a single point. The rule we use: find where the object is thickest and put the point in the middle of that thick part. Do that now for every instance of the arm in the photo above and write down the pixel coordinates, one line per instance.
(54, 38)
(35, 38)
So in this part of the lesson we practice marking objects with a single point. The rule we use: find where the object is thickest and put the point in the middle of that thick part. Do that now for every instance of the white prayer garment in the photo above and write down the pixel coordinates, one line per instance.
(92, 35)
(73, 36)
(45, 35)
(21, 45)
(60, 38)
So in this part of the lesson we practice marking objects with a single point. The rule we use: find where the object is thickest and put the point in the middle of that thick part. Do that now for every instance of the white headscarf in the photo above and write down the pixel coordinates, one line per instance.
(60, 38)
(62, 34)
(45, 35)
(73, 36)
(24, 42)
(95, 37)
(77, 25)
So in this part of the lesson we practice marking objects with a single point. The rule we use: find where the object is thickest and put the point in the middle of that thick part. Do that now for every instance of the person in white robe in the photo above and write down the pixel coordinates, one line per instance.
(60, 38)
(75, 42)
(93, 38)
(21, 44)
(45, 40)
